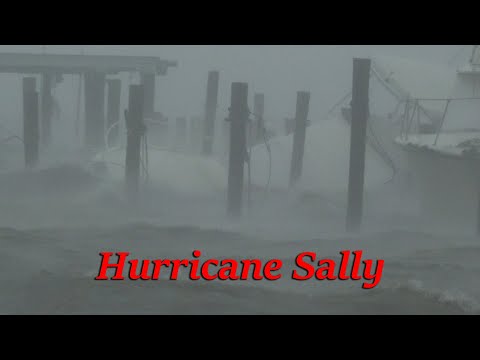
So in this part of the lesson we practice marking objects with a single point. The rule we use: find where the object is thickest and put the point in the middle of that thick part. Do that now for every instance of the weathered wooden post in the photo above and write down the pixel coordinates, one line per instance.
(296, 167)
(79, 99)
(360, 113)
(148, 82)
(135, 132)
(238, 148)
(114, 87)
(210, 112)
(30, 122)
(46, 102)
(259, 111)
(94, 110)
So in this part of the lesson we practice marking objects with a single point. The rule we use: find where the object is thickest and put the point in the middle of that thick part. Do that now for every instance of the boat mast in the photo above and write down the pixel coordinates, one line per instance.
(475, 59)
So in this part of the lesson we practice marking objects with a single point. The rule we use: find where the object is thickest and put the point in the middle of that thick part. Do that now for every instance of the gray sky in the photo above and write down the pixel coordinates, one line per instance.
(279, 71)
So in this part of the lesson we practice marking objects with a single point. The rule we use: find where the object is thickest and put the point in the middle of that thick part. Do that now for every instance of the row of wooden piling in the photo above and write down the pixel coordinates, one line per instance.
(242, 132)
(239, 118)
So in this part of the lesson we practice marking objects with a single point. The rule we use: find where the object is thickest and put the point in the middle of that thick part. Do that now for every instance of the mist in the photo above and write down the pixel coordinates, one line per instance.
(418, 210)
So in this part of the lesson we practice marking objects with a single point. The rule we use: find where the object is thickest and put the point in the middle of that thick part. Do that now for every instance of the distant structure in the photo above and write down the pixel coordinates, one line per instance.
(93, 70)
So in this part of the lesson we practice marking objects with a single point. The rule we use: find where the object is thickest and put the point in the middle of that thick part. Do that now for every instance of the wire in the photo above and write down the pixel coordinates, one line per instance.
(11, 138)
(107, 133)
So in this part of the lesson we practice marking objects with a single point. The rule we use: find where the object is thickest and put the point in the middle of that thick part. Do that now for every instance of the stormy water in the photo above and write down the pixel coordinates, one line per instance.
(58, 218)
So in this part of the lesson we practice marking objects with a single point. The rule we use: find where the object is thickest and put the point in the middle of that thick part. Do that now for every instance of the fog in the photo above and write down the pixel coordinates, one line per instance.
(419, 209)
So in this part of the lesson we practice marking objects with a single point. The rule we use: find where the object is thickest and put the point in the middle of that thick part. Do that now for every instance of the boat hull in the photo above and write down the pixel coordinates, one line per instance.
(447, 187)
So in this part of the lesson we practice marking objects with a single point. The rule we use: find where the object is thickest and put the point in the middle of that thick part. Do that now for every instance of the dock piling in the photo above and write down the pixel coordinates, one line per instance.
(94, 110)
(30, 122)
(46, 103)
(259, 111)
(148, 82)
(135, 131)
(114, 87)
(210, 112)
(360, 113)
(238, 118)
(296, 167)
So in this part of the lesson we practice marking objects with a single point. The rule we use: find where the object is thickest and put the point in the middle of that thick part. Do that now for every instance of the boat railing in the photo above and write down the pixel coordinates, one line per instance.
(415, 111)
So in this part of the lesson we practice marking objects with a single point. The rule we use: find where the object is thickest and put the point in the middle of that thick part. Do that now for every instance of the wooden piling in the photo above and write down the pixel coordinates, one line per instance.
(30, 122)
(148, 82)
(135, 130)
(46, 103)
(210, 112)
(114, 87)
(259, 111)
(238, 124)
(95, 110)
(360, 113)
(296, 166)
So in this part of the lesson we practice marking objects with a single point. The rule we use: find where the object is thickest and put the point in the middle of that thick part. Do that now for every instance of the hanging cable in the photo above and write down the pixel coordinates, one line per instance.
(107, 135)
(11, 138)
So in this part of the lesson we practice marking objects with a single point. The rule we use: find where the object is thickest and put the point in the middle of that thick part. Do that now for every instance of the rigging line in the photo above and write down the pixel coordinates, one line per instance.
(383, 153)
(344, 98)
(442, 123)
(398, 93)
(410, 120)
(474, 50)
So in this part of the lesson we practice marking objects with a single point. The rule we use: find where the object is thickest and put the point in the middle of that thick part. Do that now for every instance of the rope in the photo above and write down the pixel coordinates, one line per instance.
(107, 133)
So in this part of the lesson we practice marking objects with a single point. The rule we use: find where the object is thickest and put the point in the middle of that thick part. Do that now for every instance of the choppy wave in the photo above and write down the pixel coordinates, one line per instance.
(454, 299)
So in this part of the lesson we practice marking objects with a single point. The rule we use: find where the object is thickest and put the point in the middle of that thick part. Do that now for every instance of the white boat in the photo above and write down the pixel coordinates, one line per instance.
(445, 161)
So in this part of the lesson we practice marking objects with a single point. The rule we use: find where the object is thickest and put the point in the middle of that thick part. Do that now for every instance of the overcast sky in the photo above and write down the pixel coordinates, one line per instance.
(278, 71)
